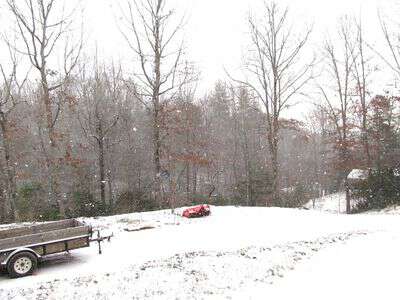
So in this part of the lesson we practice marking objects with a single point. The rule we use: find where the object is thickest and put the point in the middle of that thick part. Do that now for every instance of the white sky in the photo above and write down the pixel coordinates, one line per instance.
(216, 31)
(216, 35)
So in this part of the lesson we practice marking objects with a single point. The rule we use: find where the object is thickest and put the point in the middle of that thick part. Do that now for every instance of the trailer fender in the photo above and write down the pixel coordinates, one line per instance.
(19, 250)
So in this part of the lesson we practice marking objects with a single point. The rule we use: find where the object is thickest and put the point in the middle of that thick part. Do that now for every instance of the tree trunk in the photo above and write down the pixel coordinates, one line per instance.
(102, 171)
(194, 181)
(275, 178)
(156, 114)
(187, 162)
(365, 137)
(52, 151)
(110, 192)
(157, 160)
(188, 182)
(273, 143)
(10, 171)
(3, 213)
(249, 179)
(348, 204)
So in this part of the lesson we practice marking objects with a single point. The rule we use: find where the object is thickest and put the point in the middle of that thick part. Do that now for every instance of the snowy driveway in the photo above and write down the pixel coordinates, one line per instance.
(237, 253)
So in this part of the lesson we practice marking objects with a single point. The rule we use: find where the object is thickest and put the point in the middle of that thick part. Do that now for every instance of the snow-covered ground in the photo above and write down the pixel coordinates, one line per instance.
(333, 203)
(236, 253)
(392, 210)
(336, 203)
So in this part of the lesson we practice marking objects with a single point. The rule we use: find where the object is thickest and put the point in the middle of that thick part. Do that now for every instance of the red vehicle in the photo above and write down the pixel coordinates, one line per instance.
(197, 211)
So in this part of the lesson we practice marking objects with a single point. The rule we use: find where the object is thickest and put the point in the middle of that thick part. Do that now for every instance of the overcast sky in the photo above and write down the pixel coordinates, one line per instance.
(216, 31)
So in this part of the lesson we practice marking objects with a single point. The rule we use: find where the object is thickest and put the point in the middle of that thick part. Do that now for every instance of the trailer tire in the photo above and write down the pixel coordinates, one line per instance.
(22, 264)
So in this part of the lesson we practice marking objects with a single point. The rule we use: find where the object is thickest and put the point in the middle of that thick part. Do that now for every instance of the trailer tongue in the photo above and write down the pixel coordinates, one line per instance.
(22, 248)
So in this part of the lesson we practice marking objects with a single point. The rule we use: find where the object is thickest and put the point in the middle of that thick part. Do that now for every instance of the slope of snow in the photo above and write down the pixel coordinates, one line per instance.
(235, 249)
(333, 203)
(336, 203)
(367, 269)
(391, 210)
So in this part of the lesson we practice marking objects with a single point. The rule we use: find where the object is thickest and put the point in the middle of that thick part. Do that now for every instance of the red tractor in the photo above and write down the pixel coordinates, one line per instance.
(197, 211)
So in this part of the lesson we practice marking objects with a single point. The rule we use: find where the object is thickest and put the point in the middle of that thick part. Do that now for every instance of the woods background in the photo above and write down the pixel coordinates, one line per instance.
(80, 136)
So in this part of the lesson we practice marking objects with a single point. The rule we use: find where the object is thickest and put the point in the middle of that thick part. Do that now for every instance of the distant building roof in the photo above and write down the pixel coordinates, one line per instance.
(358, 174)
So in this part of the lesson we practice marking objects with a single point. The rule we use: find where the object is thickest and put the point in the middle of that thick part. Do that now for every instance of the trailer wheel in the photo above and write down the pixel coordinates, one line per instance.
(22, 264)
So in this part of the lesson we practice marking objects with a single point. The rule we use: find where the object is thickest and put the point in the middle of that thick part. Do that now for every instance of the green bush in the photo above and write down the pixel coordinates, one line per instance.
(380, 190)
(33, 206)
(85, 205)
(200, 199)
(260, 188)
(296, 197)
(49, 213)
(30, 203)
(134, 201)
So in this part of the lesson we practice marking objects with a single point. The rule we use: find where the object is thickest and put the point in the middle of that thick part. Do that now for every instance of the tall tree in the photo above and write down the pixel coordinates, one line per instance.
(10, 97)
(392, 39)
(43, 26)
(361, 72)
(98, 115)
(338, 96)
(152, 33)
(383, 131)
(276, 73)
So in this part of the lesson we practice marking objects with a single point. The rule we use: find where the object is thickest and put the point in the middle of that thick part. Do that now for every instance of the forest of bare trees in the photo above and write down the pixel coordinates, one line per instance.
(80, 136)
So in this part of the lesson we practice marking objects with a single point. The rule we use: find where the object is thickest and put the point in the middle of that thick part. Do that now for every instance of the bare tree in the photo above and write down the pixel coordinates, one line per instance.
(244, 112)
(276, 73)
(186, 100)
(338, 101)
(10, 97)
(43, 26)
(98, 115)
(392, 38)
(152, 37)
(361, 72)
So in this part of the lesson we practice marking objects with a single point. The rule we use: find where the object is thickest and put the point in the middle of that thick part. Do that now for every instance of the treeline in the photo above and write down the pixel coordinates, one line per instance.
(91, 138)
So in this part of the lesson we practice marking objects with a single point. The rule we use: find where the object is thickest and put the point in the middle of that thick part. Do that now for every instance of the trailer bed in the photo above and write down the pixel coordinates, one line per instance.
(47, 238)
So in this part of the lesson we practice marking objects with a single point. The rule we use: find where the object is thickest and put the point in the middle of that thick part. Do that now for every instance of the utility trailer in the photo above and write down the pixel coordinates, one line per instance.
(22, 248)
